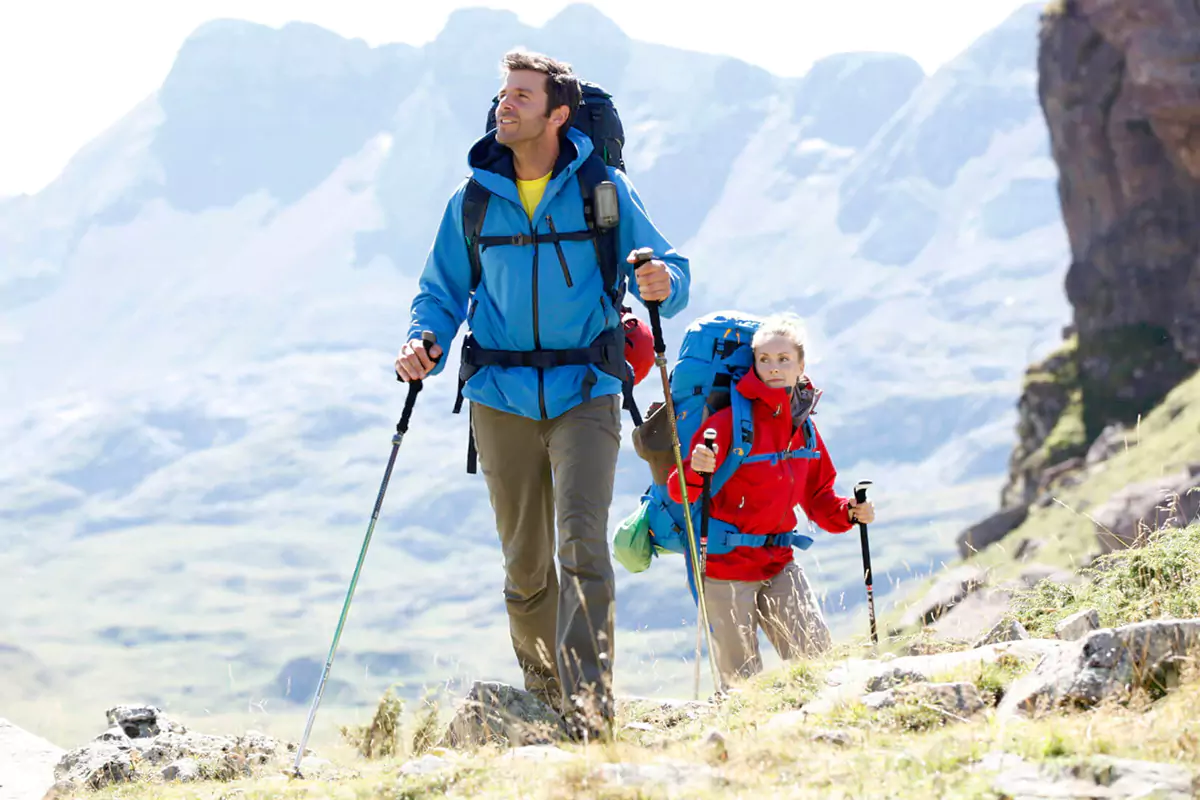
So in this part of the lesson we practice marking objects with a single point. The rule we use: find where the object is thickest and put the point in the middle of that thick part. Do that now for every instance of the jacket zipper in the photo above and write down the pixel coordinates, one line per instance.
(537, 338)
(558, 249)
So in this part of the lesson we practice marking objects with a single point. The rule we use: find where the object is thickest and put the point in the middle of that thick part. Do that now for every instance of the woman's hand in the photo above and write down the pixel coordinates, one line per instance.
(704, 461)
(864, 513)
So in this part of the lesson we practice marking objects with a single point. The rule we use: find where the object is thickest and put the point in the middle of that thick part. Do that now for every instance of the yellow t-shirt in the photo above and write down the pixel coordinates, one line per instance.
(531, 193)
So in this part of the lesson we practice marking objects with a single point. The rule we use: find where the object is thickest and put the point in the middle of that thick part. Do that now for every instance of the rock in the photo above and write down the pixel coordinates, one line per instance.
(496, 712)
(26, 763)
(847, 682)
(1112, 440)
(991, 530)
(1006, 630)
(142, 722)
(639, 726)
(142, 742)
(1123, 112)
(1098, 776)
(974, 616)
(840, 738)
(1106, 663)
(1061, 475)
(96, 765)
(673, 774)
(1049, 396)
(1148, 505)
(957, 699)
(950, 588)
(894, 677)
(1027, 548)
(1078, 625)
(183, 770)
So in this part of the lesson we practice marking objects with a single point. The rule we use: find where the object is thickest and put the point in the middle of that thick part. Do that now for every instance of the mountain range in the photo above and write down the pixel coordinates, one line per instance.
(198, 320)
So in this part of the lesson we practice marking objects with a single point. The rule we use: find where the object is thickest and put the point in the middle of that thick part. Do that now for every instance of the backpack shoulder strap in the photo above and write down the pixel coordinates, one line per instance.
(741, 442)
(475, 201)
(592, 172)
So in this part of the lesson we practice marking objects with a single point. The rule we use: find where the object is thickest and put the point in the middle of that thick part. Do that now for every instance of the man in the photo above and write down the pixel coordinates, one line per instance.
(547, 426)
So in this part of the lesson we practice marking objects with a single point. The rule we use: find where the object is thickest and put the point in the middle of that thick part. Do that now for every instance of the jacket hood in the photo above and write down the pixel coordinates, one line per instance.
(491, 163)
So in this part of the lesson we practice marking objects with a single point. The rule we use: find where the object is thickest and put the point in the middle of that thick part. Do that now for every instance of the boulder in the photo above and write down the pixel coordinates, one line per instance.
(1007, 629)
(1106, 663)
(1170, 500)
(1078, 625)
(142, 742)
(1097, 776)
(498, 713)
(950, 588)
(26, 763)
(991, 530)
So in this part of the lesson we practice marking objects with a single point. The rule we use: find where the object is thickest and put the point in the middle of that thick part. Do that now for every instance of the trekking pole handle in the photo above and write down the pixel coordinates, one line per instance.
(860, 497)
(641, 256)
(429, 338)
(710, 438)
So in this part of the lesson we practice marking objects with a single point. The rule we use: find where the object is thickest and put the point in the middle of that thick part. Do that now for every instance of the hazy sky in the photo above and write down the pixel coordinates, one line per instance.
(70, 68)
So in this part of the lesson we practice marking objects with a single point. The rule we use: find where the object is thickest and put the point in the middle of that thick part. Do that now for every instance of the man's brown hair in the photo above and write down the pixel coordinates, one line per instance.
(562, 86)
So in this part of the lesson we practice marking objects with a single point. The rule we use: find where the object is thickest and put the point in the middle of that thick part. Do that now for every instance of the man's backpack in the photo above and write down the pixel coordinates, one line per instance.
(714, 354)
(596, 117)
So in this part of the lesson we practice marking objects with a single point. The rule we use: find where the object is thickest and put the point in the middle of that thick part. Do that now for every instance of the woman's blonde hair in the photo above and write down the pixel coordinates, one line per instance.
(785, 324)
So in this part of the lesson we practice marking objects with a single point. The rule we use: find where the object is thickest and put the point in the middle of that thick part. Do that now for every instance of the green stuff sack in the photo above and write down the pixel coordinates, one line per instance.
(631, 544)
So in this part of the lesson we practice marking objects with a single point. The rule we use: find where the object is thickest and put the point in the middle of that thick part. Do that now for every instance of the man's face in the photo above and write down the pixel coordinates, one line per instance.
(521, 114)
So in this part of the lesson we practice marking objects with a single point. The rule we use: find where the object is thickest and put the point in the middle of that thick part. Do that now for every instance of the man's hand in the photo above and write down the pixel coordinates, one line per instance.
(413, 363)
(704, 460)
(654, 282)
(864, 513)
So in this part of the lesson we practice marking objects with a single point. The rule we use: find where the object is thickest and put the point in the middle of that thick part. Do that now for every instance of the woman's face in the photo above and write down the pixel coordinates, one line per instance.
(777, 363)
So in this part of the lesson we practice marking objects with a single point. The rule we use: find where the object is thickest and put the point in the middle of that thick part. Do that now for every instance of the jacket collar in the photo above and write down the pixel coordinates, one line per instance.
(801, 401)
(491, 163)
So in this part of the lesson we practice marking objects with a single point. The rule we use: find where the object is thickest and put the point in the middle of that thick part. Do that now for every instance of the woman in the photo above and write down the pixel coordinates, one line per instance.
(753, 586)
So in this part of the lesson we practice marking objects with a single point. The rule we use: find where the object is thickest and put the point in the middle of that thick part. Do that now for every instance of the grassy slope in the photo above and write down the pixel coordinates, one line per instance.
(1166, 440)
(909, 750)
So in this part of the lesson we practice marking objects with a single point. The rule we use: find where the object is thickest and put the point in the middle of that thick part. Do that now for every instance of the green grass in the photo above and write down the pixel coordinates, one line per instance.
(920, 749)
(1161, 579)
(1165, 441)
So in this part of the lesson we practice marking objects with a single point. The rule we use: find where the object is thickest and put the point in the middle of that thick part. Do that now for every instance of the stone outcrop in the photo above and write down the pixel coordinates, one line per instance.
(143, 743)
(1119, 88)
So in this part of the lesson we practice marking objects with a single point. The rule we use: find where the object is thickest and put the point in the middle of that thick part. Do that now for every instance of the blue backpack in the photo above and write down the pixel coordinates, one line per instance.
(714, 355)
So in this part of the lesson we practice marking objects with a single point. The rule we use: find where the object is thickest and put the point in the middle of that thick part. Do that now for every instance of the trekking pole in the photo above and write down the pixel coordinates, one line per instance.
(414, 388)
(860, 496)
(660, 348)
(710, 439)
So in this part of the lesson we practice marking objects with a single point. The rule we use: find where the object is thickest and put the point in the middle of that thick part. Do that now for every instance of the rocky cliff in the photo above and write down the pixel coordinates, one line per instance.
(1119, 85)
